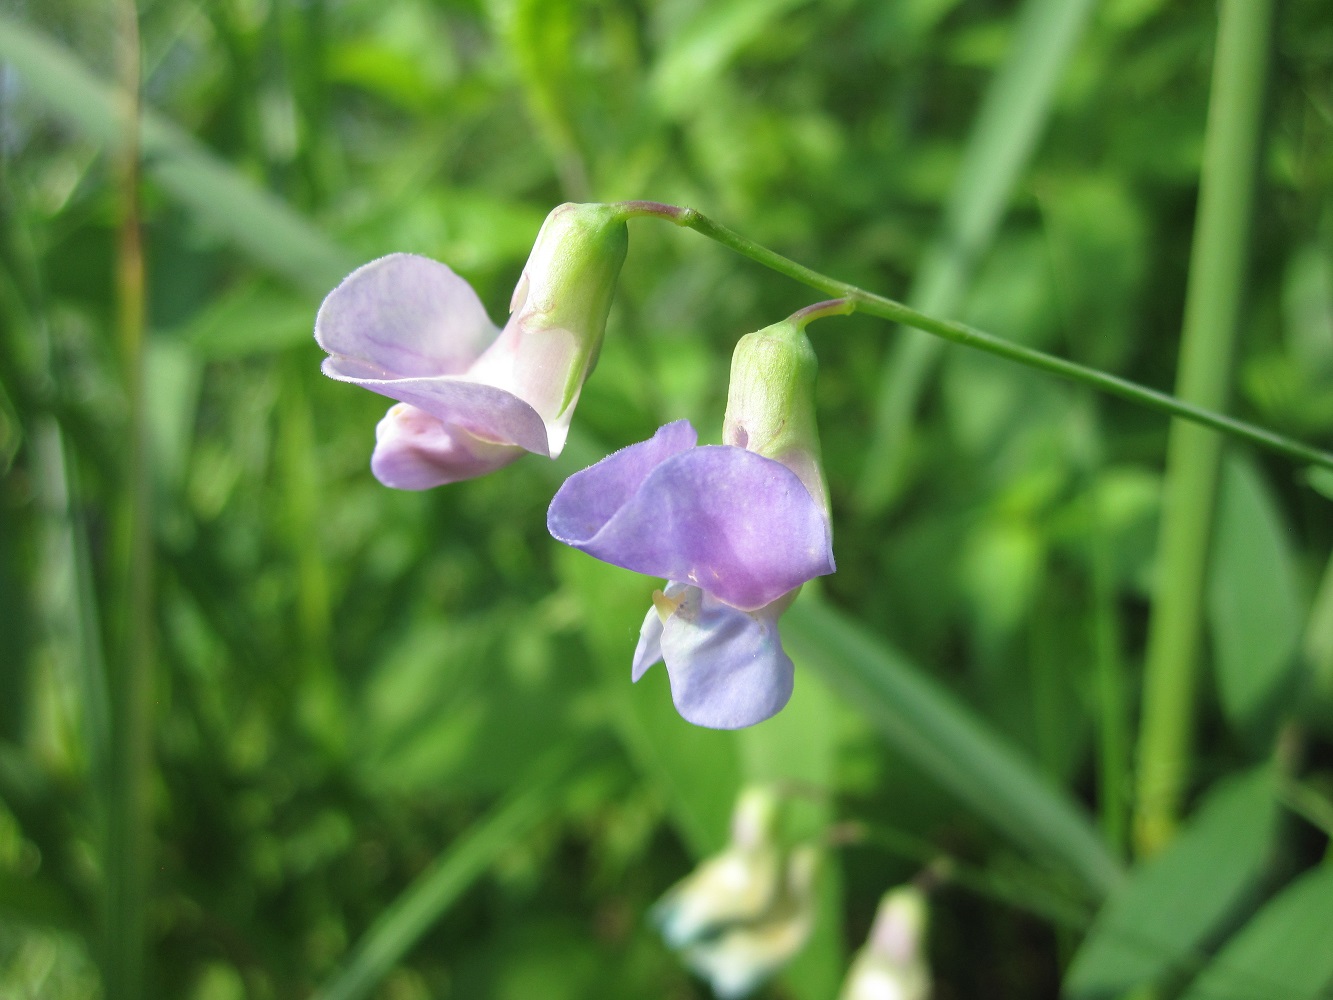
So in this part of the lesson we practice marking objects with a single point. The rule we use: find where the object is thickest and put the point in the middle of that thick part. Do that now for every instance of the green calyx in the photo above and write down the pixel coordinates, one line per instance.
(771, 401)
(570, 280)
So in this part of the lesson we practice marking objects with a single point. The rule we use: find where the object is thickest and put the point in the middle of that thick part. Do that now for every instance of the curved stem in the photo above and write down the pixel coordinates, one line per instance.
(820, 310)
(960, 333)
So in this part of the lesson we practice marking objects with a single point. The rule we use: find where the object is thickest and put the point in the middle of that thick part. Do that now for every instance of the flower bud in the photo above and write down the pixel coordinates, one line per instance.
(893, 962)
(771, 402)
(737, 885)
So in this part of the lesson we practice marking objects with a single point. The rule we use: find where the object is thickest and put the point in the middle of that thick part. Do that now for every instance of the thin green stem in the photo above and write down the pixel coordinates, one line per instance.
(1026, 895)
(969, 336)
(1211, 322)
(822, 310)
(126, 861)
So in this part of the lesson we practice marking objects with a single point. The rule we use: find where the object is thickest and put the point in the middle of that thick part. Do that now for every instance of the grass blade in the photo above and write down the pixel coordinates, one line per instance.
(1170, 905)
(405, 920)
(259, 223)
(945, 740)
(127, 862)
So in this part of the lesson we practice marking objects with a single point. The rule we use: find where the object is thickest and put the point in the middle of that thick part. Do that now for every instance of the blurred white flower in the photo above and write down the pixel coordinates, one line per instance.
(892, 965)
(742, 956)
(740, 884)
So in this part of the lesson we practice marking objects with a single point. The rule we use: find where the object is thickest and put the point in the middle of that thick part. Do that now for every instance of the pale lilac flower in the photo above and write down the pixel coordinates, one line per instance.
(735, 530)
(735, 534)
(473, 398)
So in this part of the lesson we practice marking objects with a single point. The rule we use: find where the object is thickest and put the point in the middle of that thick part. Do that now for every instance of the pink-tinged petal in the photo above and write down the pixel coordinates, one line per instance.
(404, 316)
(589, 499)
(740, 526)
(482, 411)
(543, 365)
(727, 667)
(415, 451)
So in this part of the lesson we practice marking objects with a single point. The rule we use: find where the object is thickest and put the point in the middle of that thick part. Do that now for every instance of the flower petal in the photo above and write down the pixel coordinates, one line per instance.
(589, 499)
(481, 411)
(740, 526)
(543, 366)
(402, 316)
(416, 451)
(648, 652)
(727, 667)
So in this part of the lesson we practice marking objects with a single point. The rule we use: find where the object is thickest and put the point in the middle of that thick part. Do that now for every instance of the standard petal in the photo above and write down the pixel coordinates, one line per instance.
(591, 498)
(482, 411)
(740, 526)
(404, 316)
(415, 451)
(727, 667)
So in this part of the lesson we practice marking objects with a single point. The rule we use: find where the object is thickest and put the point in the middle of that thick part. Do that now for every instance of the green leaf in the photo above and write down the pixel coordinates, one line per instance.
(1170, 905)
(1254, 603)
(1284, 952)
(221, 198)
(946, 740)
(408, 917)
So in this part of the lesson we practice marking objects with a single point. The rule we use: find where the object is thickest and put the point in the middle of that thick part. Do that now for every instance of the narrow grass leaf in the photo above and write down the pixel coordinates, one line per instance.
(688, 69)
(943, 738)
(218, 196)
(1169, 906)
(413, 913)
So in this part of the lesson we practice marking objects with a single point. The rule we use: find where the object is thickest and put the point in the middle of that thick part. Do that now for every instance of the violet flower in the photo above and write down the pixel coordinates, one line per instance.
(736, 529)
(473, 398)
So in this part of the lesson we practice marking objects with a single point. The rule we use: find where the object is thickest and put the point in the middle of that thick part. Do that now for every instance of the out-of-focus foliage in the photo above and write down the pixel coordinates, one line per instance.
(356, 690)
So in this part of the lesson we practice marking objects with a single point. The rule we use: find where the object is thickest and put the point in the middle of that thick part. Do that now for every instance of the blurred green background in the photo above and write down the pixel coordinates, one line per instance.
(345, 693)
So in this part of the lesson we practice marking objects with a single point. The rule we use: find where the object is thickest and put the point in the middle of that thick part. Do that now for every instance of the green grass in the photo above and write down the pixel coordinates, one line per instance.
(343, 767)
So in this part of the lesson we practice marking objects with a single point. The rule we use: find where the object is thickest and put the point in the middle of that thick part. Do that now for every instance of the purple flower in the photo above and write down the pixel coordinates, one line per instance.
(473, 398)
(735, 533)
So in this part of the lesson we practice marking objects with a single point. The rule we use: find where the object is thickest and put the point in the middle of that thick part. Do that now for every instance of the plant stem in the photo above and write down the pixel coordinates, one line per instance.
(969, 336)
(1212, 308)
(822, 310)
(126, 861)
